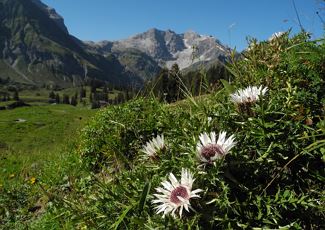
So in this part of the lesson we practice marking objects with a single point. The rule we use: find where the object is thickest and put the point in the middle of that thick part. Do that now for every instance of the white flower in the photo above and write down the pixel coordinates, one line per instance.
(152, 147)
(276, 35)
(249, 95)
(251, 47)
(209, 149)
(174, 194)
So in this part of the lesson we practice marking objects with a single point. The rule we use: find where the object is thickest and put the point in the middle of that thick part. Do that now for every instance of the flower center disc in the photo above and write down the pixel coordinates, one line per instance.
(179, 191)
(211, 150)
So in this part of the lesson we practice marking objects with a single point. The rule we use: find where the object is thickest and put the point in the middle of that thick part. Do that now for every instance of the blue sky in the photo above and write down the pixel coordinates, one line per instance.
(231, 21)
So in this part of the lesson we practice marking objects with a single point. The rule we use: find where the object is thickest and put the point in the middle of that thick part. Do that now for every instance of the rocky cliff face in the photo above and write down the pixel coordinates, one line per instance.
(52, 14)
(155, 43)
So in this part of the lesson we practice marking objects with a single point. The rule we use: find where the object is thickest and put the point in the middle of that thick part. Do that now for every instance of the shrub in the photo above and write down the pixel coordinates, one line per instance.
(115, 134)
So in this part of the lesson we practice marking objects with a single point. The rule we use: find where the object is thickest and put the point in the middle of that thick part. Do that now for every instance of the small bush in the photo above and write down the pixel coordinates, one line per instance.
(115, 134)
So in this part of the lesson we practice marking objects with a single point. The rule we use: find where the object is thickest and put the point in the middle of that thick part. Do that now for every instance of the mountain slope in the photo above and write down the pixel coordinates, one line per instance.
(58, 19)
(137, 64)
(39, 49)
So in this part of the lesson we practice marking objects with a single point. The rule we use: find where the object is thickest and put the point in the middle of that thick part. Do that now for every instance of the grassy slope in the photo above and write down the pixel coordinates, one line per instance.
(26, 147)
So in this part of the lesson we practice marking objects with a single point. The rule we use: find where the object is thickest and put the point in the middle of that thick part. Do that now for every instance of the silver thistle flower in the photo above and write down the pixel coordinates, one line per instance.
(276, 36)
(152, 147)
(209, 149)
(249, 95)
(175, 195)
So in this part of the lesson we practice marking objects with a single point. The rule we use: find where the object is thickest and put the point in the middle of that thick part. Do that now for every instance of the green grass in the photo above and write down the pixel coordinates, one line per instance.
(40, 97)
(37, 149)
(42, 138)
(5, 103)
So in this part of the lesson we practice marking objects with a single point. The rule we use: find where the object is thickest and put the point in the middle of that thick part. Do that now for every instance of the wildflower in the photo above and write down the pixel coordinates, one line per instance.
(309, 121)
(209, 149)
(251, 46)
(276, 35)
(32, 180)
(249, 95)
(245, 98)
(152, 147)
(175, 194)
(12, 176)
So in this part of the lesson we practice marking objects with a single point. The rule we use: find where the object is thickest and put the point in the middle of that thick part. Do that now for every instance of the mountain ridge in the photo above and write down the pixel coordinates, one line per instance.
(51, 12)
(36, 48)
(167, 47)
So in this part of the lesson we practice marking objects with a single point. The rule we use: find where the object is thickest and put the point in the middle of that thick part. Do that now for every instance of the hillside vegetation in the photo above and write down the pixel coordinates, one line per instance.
(267, 172)
(34, 148)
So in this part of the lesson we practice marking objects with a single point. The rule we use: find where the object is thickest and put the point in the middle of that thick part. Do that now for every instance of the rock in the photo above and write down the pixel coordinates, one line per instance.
(19, 120)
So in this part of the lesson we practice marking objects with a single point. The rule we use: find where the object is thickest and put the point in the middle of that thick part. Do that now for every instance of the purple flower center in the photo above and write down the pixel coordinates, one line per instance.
(178, 192)
(251, 100)
(211, 150)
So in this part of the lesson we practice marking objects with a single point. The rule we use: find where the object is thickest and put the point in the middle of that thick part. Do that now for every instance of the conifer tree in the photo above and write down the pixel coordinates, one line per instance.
(4, 97)
(91, 97)
(73, 101)
(65, 99)
(57, 98)
(120, 98)
(16, 95)
(52, 95)
(95, 104)
(82, 93)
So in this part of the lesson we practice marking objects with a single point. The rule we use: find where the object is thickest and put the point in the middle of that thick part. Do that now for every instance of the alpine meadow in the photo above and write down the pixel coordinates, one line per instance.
(161, 130)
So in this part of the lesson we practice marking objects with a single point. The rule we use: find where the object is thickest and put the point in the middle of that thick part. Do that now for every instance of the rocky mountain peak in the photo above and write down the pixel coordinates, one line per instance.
(191, 35)
(174, 42)
(167, 47)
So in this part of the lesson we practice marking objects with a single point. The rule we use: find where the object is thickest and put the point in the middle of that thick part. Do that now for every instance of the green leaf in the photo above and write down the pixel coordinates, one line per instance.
(121, 217)
(286, 193)
(144, 196)
(229, 88)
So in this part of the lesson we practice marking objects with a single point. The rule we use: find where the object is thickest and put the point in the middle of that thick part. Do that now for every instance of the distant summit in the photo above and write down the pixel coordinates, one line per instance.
(168, 47)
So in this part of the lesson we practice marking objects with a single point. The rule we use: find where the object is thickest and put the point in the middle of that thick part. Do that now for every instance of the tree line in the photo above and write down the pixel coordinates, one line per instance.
(97, 97)
(9, 96)
(171, 84)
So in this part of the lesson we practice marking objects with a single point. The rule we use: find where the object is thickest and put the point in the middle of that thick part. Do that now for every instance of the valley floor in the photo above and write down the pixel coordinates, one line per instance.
(35, 144)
